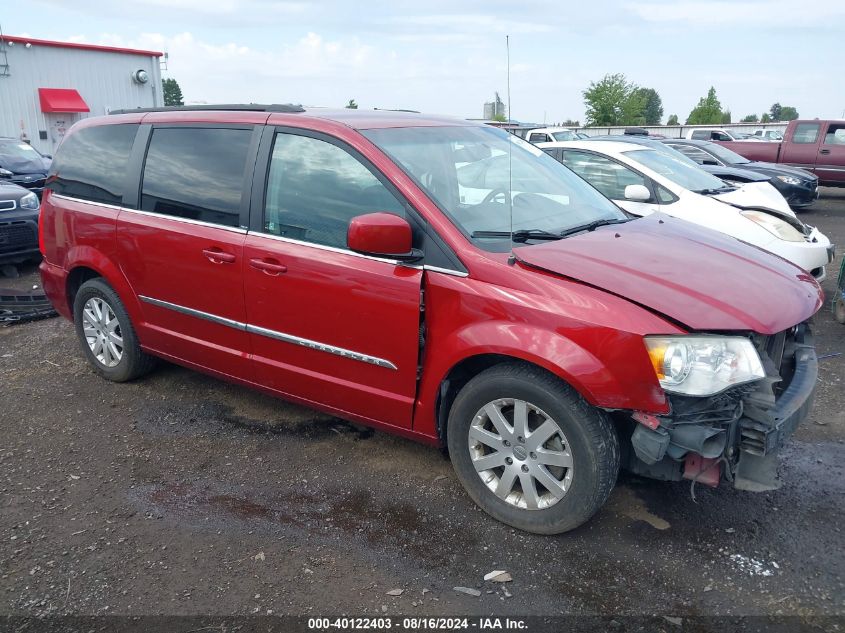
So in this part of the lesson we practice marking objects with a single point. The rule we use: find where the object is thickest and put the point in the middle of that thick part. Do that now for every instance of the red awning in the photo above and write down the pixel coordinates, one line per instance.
(61, 100)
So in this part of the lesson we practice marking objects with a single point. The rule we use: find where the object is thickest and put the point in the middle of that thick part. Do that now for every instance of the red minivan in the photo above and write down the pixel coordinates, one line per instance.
(434, 278)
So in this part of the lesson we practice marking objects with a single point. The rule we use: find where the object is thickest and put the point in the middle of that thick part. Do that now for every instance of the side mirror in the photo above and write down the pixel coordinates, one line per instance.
(5, 173)
(637, 193)
(382, 235)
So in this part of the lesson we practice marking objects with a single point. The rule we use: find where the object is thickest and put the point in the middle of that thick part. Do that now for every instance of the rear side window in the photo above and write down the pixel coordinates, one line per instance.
(538, 138)
(806, 133)
(315, 188)
(701, 135)
(91, 164)
(196, 173)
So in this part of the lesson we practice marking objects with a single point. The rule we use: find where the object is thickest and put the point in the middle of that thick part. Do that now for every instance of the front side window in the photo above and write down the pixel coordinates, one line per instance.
(806, 133)
(603, 173)
(485, 179)
(91, 163)
(314, 188)
(196, 173)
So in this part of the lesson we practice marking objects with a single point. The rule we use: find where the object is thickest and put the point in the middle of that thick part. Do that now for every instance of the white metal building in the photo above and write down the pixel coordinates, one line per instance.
(46, 86)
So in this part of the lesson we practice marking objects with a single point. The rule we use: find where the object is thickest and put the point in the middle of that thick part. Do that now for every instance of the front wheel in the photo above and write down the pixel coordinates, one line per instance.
(530, 451)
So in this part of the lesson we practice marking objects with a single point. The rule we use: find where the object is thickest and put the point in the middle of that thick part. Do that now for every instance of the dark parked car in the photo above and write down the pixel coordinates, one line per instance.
(23, 165)
(18, 224)
(798, 186)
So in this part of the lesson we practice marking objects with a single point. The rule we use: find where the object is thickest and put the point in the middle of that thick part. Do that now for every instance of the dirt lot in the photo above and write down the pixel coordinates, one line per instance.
(180, 494)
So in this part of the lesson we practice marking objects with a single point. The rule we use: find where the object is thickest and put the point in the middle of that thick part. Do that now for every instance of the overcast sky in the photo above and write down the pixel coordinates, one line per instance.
(448, 56)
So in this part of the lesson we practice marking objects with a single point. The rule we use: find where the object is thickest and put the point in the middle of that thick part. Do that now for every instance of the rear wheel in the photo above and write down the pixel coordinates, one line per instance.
(530, 451)
(106, 334)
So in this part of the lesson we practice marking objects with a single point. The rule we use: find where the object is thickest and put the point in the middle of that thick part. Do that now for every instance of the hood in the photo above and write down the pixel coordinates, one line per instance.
(36, 164)
(705, 280)
(760, 195)
(10, 191)
(774, 169)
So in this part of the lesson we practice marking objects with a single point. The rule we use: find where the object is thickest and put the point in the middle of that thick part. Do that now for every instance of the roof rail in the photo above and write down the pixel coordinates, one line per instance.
(243, 107)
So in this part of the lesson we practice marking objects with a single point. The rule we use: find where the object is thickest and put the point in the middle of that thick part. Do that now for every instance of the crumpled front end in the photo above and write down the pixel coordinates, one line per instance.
(734, 435)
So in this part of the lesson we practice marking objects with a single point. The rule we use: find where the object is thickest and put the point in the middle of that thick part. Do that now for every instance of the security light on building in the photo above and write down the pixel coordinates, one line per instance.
(47, 86)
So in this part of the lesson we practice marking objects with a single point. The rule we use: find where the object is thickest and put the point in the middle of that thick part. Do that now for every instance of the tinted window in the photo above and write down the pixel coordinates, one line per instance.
(702, 135)
(196, 173)
(315, 188)
(91, 164)
(806, 133)
(604, 174)
(539, 138)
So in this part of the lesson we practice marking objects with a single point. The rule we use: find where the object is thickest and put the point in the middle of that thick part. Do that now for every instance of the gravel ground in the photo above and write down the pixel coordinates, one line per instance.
(181, 494)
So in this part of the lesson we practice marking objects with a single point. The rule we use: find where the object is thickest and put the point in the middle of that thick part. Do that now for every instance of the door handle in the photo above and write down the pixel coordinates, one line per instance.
(218, 256)
(268, 267)
(824, 151)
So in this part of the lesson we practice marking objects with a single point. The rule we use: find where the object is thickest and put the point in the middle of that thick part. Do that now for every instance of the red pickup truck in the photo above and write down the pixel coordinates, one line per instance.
(815, 145)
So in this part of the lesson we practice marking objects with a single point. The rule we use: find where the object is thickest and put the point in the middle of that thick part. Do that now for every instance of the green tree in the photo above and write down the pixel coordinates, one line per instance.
(708, 111)
(501, 118)
(788, 113)
(172, 93)
(774, 111)
(765, 118)
(653, 109)
(633, 108)
(750, 118)
(605, 99)
(352, 105)
(726, 116)
(673, 119)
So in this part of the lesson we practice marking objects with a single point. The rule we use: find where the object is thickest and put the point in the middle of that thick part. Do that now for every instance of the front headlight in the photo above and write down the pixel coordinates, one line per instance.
(29, 201)
(703, 365)
(775, 226)
(789, 180)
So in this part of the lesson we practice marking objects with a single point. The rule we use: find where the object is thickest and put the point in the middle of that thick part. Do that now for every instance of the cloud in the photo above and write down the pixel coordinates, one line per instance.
(741, 14)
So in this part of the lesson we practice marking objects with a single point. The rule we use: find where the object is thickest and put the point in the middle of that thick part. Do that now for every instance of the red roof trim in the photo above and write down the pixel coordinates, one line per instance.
(61, 100)
(91, 47)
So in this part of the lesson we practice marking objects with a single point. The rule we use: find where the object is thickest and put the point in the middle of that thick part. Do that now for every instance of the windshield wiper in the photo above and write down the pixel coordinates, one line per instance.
(520, 235)
(591, 226)
(712, 192)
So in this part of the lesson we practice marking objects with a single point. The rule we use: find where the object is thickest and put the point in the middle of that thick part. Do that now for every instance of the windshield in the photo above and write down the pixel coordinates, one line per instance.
(464, 169)
(18, 149)
(565, 136)
(689, 176)
(726, 155)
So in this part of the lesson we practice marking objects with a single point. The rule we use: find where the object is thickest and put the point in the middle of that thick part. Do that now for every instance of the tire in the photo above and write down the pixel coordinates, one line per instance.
(839, 306)
(131, 362)
(586, 435)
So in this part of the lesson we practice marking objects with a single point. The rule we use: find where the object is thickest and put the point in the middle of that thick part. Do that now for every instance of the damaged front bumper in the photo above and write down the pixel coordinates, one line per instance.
(734, 435)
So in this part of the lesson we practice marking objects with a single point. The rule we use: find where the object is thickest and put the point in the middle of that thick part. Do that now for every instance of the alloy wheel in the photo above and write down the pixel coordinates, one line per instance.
(102, 331)
(521, 454)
